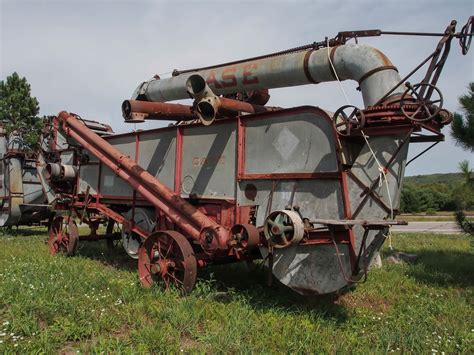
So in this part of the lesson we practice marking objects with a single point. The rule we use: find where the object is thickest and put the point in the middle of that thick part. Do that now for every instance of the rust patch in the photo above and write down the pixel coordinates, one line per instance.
(384, 58)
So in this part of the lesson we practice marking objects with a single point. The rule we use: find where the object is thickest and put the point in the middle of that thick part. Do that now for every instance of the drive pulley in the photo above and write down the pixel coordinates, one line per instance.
(283, 228)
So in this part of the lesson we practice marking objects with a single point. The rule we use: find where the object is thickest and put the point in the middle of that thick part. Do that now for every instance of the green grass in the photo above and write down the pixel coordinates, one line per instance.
(440, 216)
(93, 303)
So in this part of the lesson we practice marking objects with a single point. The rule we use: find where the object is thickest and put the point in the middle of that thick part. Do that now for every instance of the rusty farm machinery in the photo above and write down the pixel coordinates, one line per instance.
(312, 193)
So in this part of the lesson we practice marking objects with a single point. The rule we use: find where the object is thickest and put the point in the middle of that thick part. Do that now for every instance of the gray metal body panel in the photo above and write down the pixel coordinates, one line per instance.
(209, 161)
(298, 144)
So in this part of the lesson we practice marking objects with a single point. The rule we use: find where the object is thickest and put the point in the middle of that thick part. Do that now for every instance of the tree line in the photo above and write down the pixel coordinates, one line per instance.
(437, 196)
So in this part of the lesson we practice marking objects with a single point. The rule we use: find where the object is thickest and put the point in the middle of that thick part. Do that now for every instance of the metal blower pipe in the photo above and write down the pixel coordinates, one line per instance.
(60, 172)
(208, 105)
(368, 66)
(189, 218)
(135, 111)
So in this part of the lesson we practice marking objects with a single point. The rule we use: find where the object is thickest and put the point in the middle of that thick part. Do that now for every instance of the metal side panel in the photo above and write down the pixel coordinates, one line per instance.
(88, 176)
(109, 183)
(92, 157)
(311, 269)
(3, 150)
(157, 154)
(113, 185)
(298, 142)
(209, 164)
(126, 144)
(317, 198)
(32, 189)
(366, 169)
(67, 158)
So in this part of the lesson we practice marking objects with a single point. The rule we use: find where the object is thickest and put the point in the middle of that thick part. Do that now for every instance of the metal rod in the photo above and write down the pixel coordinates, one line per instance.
(423, 152)
(396, 33)
(427, 34)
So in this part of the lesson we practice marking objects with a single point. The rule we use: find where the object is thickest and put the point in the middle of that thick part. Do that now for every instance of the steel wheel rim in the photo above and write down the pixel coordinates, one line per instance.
(167, 257)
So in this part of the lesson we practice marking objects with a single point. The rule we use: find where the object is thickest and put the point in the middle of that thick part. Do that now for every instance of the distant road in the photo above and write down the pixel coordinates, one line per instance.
(428, 227)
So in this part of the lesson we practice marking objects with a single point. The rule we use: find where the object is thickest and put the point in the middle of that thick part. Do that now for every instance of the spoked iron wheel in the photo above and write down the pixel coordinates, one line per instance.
(167, 257)
(417, 103)
(466, 35)
(348, 118)
(114, 234)
(63, 236)
(283, 228)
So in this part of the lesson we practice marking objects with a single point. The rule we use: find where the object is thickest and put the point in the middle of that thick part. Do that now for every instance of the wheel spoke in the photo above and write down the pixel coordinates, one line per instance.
(168, 251)
(288, 229)
(270, 222)
(427, 110)
(166, 282)
(175, 278)
(417, 94)
(417, 111)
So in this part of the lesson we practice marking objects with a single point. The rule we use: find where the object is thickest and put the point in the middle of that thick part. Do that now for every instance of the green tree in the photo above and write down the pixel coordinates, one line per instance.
(462, 128)
(463, 133)
(19, 111)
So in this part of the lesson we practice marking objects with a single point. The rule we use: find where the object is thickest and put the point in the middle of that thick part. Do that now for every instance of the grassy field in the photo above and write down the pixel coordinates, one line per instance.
(442, 216)
(92, 302)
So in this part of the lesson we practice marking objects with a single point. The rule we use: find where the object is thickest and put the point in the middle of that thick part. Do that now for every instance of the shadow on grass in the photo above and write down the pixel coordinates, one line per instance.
(444, 268)
(115, 257)
(251, 286)
(23, 231)
(233, 281)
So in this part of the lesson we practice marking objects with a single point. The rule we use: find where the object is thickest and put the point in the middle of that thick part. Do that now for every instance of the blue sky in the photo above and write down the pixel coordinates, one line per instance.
(88, 56)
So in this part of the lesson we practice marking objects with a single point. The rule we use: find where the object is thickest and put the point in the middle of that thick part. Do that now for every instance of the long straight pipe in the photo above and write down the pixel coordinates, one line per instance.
(368, 66)
(186, 216)
(138, 111)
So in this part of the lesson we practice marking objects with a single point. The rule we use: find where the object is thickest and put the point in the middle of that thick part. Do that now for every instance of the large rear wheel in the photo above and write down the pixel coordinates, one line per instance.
(167, 257)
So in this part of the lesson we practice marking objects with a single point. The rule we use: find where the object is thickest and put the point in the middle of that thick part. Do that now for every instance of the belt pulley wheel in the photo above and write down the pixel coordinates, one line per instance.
(283, 228)
(420, 97)
(466, 35)
(167, 257)
(246, 236)
(63, 236)
(348, 118)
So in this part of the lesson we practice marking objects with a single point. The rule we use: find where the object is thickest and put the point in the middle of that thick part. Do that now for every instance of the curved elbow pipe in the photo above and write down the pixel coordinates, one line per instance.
(207, 105)
(368, 66)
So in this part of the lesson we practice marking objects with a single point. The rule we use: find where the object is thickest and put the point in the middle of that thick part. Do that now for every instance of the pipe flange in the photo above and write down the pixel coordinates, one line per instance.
(283, 228)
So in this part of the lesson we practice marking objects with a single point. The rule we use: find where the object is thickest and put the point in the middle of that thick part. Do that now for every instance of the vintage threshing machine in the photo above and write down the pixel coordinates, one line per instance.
(312, 193)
